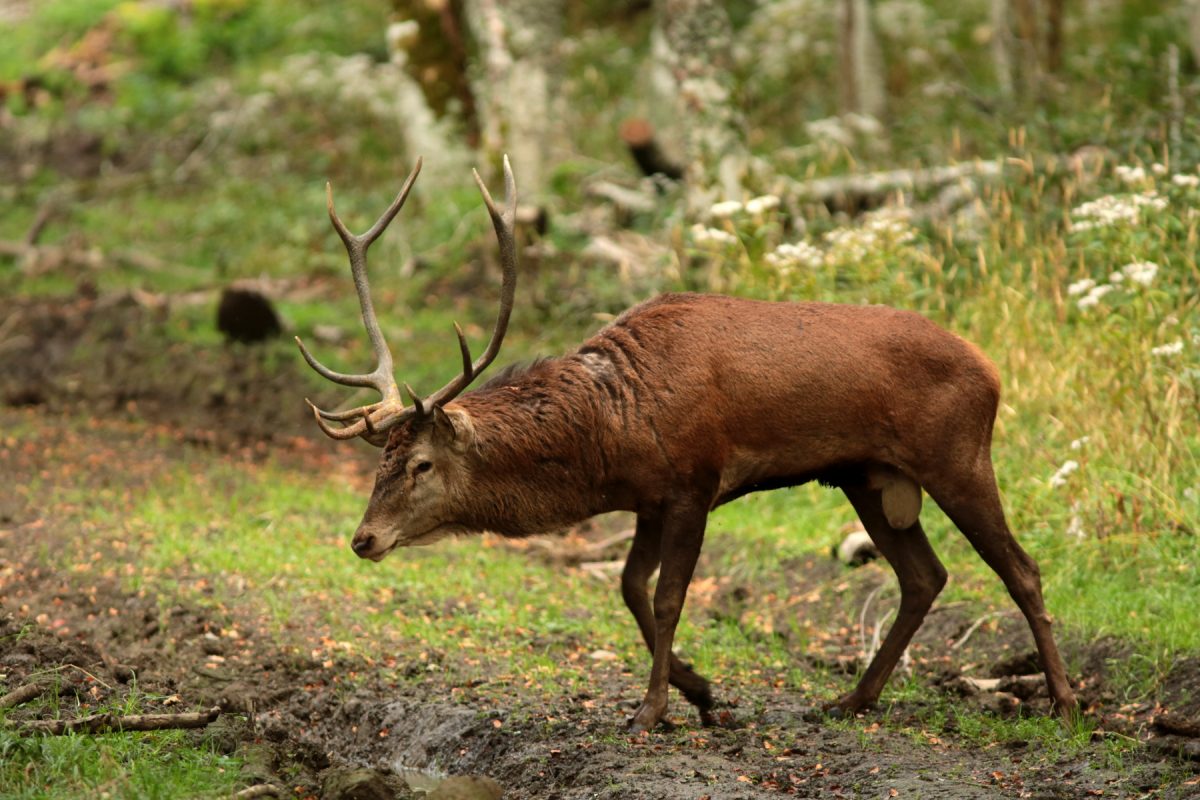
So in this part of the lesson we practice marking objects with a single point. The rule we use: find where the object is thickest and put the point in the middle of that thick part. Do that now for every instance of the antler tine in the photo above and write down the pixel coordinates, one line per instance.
(504, 223)
(342, 434)
(376, 417)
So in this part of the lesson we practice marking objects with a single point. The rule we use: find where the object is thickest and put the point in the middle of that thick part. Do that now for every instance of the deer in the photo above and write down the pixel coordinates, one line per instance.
(681, 404)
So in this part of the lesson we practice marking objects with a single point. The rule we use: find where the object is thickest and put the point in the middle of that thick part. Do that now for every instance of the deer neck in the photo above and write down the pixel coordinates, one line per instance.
(537, 464)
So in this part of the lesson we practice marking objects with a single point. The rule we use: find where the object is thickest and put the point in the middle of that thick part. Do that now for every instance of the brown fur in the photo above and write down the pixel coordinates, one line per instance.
(688, 401)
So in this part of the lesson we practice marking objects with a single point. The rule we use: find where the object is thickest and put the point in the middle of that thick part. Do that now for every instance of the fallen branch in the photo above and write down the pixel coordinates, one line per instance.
(624, 198)
(851, 190)
(108, 723)
(23, 694)
(261, 790)
(1008, 684)
(34, 258)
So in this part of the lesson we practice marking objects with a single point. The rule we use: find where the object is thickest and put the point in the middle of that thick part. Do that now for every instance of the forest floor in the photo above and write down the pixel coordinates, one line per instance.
(82, 602)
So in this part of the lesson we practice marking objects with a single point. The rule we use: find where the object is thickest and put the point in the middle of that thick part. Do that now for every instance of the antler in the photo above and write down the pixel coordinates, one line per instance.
(503, 223)
(372, 420)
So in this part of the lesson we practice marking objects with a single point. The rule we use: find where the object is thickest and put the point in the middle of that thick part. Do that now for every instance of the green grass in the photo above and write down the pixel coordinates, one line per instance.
(141, 765)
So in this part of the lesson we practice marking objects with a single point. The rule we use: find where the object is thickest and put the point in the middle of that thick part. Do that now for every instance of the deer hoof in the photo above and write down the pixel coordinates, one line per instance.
(647, 718)
(844, 707)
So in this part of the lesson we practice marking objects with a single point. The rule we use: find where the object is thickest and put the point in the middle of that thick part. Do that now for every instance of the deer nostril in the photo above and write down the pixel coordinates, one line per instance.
(363, 545)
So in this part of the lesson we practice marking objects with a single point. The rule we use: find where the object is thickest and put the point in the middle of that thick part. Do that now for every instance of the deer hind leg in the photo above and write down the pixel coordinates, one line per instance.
(921, 576)
(973, 505)
(643, 559)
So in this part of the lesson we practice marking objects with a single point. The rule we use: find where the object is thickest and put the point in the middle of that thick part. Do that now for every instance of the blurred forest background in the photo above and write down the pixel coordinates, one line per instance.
(1024, 172)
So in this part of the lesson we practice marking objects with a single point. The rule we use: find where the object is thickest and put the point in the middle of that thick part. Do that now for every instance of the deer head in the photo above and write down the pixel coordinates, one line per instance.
(422, 469)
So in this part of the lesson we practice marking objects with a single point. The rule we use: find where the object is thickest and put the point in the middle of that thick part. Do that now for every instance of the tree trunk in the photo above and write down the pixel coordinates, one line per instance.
(693, 45)
(517, 42)
(862, 84)
(1002, 46)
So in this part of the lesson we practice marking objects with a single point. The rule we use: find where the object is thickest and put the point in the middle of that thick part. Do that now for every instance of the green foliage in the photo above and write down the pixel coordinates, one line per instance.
(156, 764)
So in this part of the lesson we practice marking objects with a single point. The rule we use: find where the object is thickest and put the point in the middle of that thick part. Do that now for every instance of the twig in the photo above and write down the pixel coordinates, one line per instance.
(878, 634)
(975, 626)
(23, 694)
(862, 619)
(106, 723)
(261, 790)
(45, 213)
(108, 686)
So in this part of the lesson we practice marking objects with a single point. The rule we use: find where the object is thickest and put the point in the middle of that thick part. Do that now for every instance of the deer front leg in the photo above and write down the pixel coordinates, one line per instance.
(643, 559)
(681, 536)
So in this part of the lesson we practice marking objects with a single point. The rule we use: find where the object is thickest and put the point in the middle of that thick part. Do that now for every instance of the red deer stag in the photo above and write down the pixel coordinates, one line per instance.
(683, 403)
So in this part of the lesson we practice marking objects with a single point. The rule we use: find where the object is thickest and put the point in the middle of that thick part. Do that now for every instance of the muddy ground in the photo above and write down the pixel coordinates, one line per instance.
(300, 722)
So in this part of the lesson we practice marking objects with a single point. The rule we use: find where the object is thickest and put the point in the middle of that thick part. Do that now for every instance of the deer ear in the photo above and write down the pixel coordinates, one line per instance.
(453, 428)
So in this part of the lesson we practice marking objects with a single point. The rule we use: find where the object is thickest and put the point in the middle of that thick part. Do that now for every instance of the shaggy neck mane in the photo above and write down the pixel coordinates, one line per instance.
(536, 437)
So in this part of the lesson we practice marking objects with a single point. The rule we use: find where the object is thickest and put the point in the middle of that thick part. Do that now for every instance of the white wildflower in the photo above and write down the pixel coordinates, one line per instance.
(1186, 181)
(725, 209)
(1158, 169)
(704, 236)
(850, 244)
(891, 224)
(1081, 286)
(1166, 350)
(1129, 175)
(863, 124)
(1140, 272)
(1116, 277)
(1115, 209)
(800, 254)
(1059, 478)
(1092, 298)
(759, 205)
(1077, 444)
(830, 129)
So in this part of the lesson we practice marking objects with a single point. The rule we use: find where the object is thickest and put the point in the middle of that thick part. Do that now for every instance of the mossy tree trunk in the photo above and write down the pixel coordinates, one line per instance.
(693, 49)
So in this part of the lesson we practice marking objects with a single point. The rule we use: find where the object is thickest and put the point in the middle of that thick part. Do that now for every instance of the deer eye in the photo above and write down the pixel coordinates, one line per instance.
(422, 466)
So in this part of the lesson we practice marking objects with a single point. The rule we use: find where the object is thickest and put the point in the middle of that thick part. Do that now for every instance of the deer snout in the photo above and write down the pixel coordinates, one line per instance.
(363, 544)
(372, 542)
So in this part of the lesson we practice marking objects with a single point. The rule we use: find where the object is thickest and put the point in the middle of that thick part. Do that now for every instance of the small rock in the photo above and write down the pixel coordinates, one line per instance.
(467, 787)
(856, 549)
(212, 645)
(355, 784)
